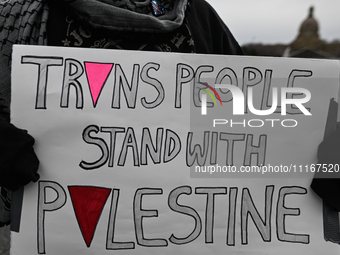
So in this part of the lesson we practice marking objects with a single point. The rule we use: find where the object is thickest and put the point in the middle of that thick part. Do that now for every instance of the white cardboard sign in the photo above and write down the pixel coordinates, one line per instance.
(130, 164)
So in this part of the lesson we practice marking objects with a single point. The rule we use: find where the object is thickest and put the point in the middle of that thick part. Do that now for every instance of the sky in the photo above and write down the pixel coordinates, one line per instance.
(277, 21)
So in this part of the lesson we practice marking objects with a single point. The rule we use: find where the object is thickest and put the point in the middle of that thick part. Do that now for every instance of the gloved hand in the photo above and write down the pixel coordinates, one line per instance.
(329, 149)
(18, 161)
(327, 184)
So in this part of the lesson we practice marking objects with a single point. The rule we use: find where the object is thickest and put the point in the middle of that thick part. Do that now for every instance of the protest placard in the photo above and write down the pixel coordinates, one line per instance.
(160, 153)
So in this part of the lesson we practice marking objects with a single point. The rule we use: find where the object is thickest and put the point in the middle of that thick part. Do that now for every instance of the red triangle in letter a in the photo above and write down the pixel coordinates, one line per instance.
(88, 203)
(97, 74)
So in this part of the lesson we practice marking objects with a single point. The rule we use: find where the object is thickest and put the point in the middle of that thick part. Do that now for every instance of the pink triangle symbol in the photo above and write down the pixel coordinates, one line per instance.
(88, 203)
(97, 74)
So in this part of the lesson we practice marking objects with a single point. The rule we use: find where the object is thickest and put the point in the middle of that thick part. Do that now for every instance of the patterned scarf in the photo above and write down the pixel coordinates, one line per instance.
(22, 22)
(129, 15)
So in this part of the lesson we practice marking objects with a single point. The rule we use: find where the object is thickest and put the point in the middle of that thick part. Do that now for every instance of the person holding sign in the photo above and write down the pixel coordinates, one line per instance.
(157, 25)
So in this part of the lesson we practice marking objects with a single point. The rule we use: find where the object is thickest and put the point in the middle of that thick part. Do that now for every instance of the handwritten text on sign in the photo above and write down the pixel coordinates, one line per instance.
(124, 149)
